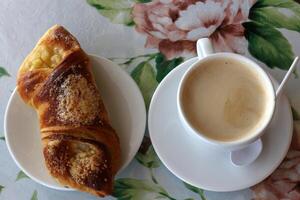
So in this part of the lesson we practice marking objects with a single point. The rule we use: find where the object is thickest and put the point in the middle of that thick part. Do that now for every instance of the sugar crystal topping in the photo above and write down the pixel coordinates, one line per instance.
(78, 101)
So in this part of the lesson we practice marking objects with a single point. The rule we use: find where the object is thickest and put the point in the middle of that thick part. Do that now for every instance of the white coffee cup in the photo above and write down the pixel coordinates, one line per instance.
(205, 53)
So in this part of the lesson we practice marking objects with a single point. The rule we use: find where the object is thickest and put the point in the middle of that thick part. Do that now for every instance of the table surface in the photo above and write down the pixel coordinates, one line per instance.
(154, 37)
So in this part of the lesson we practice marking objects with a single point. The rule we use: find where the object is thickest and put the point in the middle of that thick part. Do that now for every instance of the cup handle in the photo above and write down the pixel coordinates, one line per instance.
(204, 48)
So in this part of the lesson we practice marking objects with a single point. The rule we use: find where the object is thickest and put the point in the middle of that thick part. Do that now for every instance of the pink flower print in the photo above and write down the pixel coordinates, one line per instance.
(173, 26)
(284, 182)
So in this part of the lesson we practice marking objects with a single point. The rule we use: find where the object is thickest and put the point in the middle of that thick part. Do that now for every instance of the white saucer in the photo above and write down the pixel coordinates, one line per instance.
(122, 99)
(200, 164)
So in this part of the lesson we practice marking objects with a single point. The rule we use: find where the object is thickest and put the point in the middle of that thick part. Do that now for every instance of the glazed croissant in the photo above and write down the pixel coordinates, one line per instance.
(80, 147)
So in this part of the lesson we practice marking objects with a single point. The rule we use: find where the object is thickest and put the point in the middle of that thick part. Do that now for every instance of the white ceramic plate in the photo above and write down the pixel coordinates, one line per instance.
(122, 99)
(200, 164)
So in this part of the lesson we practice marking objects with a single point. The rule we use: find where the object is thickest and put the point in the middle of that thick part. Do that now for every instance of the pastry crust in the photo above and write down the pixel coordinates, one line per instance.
(80, 147)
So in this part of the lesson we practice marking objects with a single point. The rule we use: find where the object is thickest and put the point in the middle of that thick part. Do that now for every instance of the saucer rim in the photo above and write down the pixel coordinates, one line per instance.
(188, 180)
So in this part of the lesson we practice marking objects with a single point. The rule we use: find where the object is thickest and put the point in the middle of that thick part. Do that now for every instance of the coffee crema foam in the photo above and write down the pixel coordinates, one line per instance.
(224, 99)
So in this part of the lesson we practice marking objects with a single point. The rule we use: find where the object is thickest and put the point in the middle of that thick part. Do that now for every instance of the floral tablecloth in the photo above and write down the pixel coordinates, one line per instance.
(148, 39)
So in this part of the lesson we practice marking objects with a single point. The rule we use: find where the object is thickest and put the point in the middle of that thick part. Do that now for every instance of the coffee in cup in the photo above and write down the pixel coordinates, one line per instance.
(225, 99)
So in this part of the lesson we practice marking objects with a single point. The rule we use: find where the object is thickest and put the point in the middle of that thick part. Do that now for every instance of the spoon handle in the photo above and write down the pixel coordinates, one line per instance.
(286, 77)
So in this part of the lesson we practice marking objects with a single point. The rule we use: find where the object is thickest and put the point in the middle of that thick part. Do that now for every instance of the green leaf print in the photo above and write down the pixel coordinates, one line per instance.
(34, 195)
(144, 76)
(268, 45)
(2, 138)
(21, 175)
(196, 190)
(134, 189)
(1, 188)
(117, 11)
(3, 72)
(113, 4)
(296, 115)
(149, 159)
(281, 14)
(143, 1)
(164, 66)
(288, 4)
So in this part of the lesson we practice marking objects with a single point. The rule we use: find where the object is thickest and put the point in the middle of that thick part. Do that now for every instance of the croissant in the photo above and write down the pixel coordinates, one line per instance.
(80, 147)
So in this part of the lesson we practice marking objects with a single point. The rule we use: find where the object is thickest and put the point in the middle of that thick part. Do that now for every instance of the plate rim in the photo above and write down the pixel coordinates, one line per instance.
(139, 93)
(185, 179)
(138, 143)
